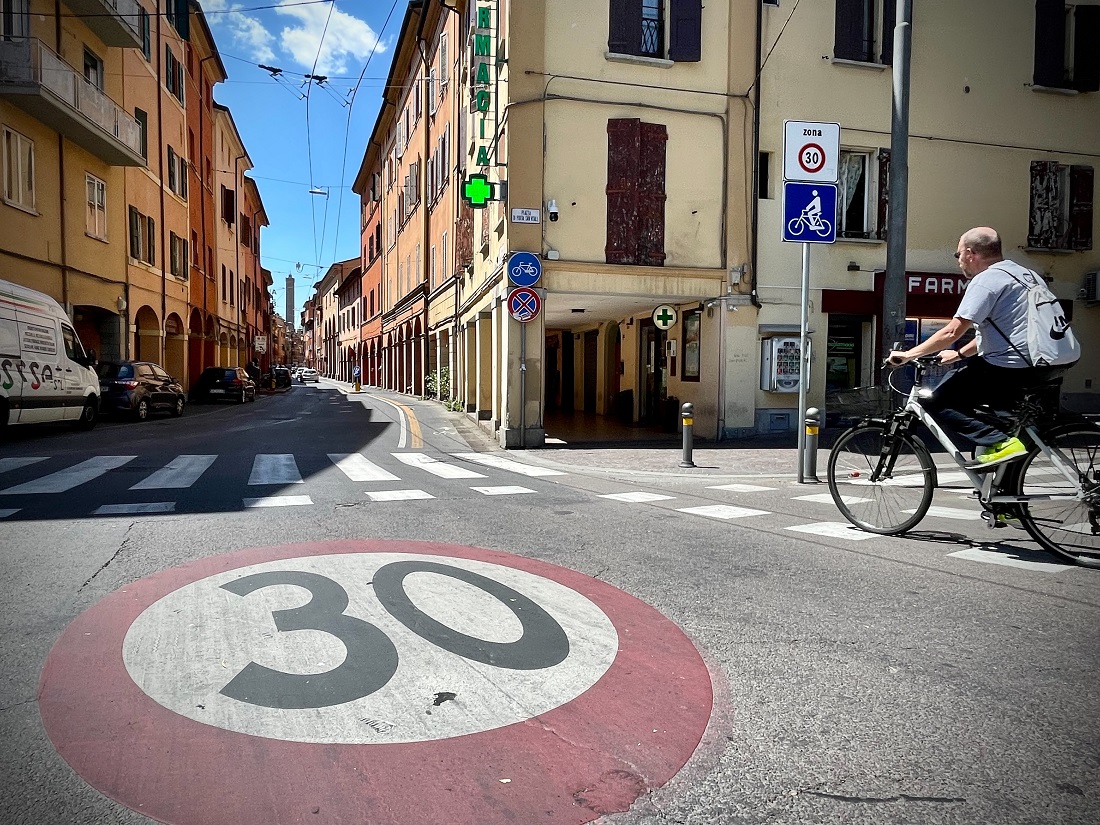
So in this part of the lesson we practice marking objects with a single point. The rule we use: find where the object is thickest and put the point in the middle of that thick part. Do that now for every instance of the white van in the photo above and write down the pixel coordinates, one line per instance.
(45, 375)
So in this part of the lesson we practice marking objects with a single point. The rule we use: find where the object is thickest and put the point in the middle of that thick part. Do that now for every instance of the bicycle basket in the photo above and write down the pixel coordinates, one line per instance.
(849, 405)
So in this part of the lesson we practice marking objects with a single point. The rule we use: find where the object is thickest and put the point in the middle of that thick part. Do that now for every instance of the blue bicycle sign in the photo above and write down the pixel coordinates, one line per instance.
(809, 212)
(524, 268)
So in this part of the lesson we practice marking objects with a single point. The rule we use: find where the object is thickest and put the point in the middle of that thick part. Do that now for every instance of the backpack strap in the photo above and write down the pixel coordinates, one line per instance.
(1001, 331)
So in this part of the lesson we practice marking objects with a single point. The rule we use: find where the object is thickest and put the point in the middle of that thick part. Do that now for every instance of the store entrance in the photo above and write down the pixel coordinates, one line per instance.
(654, 378)
(844, 357)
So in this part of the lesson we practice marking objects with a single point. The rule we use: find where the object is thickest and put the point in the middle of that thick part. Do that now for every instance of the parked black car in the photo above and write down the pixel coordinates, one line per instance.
(138, 388)
(219, 383)
(280, 376)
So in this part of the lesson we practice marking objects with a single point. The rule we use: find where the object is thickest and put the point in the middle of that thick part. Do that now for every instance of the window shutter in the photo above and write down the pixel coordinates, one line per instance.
(135, 234)
(651, 195)
(1043, 217)
(889, 20)
(686, 31)
(623, 157)
(183, 19)
(1050, 43)
(444, 60)
(883, 216)
(625, 27)
(849, 41)
(1080, 204)
(1086, 48)
(151, 244)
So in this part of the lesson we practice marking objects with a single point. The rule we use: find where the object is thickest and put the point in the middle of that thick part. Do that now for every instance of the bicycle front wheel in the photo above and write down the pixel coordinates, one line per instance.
(899, 498)
(1069, 527)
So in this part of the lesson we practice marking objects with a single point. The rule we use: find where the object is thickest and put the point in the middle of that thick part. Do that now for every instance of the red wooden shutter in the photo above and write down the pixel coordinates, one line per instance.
(623, 159)
(1043, 217)
(1080, 206)
(651, 195)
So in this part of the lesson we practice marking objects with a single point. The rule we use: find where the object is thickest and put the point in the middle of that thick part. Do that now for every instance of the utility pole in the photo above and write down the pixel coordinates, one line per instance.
(893, 293)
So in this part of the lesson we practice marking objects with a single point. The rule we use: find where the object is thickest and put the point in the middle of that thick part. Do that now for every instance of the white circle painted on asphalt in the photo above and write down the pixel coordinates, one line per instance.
(219, 657)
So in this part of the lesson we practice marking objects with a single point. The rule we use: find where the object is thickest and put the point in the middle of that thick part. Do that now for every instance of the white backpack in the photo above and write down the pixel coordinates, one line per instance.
(1050, 341)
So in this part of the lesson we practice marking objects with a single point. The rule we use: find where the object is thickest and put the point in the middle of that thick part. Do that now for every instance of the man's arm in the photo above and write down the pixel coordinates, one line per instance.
(939, 340)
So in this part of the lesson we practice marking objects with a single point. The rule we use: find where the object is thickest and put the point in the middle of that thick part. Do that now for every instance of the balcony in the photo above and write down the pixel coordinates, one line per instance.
(115, 22)
(40, 83)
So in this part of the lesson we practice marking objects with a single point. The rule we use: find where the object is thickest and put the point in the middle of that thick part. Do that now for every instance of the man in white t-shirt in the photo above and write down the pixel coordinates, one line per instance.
(995, 373)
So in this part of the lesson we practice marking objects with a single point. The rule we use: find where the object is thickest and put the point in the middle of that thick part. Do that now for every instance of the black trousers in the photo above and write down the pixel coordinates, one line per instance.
(954, 403)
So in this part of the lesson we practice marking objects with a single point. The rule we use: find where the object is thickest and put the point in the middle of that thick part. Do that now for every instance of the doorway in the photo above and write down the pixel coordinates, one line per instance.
(654, 377)
(591, 369)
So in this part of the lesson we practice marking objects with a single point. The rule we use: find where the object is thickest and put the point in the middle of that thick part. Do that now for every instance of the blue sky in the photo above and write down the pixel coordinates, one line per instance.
(297, 143)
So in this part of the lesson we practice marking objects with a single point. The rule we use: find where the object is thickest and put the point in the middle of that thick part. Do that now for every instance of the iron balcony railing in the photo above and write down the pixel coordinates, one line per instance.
(30, 72)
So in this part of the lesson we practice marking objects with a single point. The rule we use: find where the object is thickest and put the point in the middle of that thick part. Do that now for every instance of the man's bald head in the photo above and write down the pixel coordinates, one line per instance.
(984, 242)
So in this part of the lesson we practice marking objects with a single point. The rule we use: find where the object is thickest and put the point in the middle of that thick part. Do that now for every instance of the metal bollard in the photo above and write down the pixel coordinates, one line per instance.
(809, 457)
(687, 413)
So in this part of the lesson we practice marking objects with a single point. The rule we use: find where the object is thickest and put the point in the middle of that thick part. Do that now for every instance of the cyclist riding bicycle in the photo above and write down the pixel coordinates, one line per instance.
(995, 372)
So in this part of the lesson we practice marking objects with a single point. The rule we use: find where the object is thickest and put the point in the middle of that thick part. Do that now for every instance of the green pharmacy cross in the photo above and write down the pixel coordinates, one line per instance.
(477, 191)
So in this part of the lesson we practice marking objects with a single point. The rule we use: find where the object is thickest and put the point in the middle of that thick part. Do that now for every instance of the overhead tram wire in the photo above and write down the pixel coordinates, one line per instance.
(207, 12)
(309, 145)
(347, 127)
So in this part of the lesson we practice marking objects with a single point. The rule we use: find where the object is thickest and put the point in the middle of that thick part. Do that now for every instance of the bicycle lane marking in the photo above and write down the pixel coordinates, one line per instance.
(274, 683)
(410, 431)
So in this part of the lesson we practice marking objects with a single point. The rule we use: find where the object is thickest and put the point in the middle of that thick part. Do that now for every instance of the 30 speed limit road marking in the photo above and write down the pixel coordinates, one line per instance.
(395, 682)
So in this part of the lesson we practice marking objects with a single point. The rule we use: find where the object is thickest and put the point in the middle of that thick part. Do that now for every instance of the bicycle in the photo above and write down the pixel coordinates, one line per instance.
(882, 476)
(821, 226)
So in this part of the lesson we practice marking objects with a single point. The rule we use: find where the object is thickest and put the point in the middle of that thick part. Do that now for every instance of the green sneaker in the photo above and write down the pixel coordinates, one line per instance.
(998, 453)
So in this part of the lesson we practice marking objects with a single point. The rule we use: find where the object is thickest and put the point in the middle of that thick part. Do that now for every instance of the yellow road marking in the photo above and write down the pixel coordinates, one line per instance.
(416, 441)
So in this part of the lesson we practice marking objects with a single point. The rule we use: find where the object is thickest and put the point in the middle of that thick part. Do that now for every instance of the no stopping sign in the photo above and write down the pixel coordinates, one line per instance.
(390, 682)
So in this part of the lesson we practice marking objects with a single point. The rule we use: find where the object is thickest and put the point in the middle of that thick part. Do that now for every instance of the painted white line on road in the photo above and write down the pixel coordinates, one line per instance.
(402, 442)
(501, 463)
(358, 468)
(70, 477)
(834, 530)
(179, 473)
(951, 512)
(724, 511)
(502, 491)
(436, 468)
(8, 512)
(991, 557)
(275, 468)
(636, 498)
(398, 495)
(826, 498)
(138, 507)
(742, 488)
(7, 464)
(277, 501)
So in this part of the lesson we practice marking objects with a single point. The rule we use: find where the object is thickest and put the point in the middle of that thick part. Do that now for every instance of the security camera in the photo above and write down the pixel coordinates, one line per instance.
(552, 208)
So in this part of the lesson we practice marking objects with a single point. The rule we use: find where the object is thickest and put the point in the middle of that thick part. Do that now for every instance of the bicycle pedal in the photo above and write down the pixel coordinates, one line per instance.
(991, 521)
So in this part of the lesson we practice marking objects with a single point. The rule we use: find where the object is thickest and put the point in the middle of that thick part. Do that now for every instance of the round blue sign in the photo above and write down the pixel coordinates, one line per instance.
(524, 268)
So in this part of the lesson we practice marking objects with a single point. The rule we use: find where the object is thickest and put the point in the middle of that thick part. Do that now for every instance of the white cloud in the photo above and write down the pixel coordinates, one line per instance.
(247, 32)
(347, 43)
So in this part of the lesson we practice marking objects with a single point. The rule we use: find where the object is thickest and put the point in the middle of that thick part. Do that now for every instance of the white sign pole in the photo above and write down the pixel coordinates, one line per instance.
(803, 361)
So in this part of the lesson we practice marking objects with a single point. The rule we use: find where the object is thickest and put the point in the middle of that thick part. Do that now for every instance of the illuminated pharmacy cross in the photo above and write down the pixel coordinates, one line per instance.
(664, 317)
(477, 191)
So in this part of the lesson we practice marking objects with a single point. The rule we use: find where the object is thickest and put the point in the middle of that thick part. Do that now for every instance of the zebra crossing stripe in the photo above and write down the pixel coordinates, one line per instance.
(358, 468)
(398, 495)
(636, 498)
(950, 512)
(139, 507)
(7, 464)
(274, 468)
(500, 463)
(179, 473)
(437, 468)
(835, 530)
(276, 501)
(723, 511)
(501, 491)
(70, 477)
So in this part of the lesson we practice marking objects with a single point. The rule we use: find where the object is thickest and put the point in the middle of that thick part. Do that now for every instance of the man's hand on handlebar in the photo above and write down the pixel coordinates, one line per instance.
(897, 358)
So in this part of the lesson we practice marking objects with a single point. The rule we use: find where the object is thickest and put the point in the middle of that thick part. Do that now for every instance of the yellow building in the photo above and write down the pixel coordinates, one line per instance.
(66, 140)
(1003, 122)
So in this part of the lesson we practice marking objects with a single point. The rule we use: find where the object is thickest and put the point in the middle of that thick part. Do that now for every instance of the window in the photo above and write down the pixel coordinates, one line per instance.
(146, 37)
(196, 262)
(763, 176)
(173, 74)
(444, 272)
(178, 249)
(95, 223)
(177, 173)
(864, 31)
(432, 259)
(142, 118)
(142, 237)
(635, 192)
(433, 98)
(690, 345)
(231, 279)
(862, 193)
(93, 69)
(223, 283)
(13, 19)
(229, 205)
(444, 63)
(1066, 56)
(73, 350)
(246, 230)
(638, 27)
(1061, 206)
(18, 170)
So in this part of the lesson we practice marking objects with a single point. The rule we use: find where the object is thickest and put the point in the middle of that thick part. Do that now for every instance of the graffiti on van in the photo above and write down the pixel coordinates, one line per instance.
(40, 374)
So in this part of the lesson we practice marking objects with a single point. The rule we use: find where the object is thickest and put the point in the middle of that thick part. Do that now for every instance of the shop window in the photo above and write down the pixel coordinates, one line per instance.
(864, 31)
(95, 223)
(18, 170)
(1066, 56)
(635, 192)
(690, 345)
(862, 190)
(663, 29)
(1060, 215)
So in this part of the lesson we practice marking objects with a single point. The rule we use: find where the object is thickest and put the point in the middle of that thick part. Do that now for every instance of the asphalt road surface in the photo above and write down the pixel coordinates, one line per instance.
(332, 608)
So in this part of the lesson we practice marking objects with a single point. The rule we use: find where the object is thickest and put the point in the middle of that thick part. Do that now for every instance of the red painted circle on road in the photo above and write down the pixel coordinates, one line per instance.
(811, 158)
(629, 731)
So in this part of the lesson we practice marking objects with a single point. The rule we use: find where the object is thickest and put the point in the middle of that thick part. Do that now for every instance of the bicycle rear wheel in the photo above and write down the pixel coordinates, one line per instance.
(1069, 527)
(896, 501)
